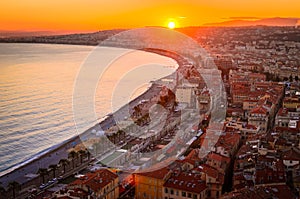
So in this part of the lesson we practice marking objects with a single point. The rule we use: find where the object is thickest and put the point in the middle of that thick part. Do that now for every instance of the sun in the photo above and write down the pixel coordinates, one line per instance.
(171, 25)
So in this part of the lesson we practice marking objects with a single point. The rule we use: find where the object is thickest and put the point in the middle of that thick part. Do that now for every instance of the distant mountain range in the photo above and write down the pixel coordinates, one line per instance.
(277, 21)
(235, 22)
(21, 33)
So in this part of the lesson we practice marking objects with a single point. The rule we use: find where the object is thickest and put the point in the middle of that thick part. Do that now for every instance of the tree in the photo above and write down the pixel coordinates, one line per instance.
(15, 187)
(137, 111)
(82, 153)
(73, 154)
(112, 138)
(121, 135)
(53, 167)
(88, 154)
(64, 163)
(43, 172)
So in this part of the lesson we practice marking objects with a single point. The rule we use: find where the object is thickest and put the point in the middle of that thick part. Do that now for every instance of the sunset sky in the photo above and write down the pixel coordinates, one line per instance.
(91, 15)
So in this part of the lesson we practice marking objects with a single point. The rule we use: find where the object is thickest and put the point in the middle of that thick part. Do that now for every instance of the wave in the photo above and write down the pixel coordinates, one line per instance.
(42, 153)
(34, 157)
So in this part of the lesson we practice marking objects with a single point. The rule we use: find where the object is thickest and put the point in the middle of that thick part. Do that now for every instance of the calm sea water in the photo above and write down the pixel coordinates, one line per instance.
(36, 89)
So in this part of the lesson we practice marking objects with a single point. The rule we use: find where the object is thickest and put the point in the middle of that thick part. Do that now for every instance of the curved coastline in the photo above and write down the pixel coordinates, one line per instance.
(56, 152)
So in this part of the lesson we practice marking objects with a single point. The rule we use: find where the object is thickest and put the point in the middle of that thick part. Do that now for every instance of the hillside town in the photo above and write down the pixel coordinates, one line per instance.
(255, 155)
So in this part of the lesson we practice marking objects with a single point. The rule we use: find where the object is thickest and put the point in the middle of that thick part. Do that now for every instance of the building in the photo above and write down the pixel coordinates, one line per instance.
(291, 161)
(291, 102)
(185, 185)
(265, 191)
(218, 161)
(214, 180)
(184, 95)
(203, 100)
(286, 115)
(149, 184)
(99, 184)
(228, 144)
(259, 116)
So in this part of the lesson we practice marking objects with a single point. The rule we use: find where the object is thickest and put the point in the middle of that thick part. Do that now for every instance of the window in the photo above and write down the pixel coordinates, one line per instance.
(177, 193)
(195, 196)
(172, 191)
(189, 195)
(183, 194)
(208, 193)
(166, 190)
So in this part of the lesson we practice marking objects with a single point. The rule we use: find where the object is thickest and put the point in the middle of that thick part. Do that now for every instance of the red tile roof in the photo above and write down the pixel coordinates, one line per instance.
(228, 139)
(259, 110)
(211, 172)
(157, 174)
(218, 157)
(291, 154)
(185, 181)
(259, 192)
(96, 180)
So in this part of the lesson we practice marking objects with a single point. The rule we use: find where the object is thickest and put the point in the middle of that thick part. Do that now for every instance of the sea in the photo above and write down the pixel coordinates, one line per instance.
(37, 85)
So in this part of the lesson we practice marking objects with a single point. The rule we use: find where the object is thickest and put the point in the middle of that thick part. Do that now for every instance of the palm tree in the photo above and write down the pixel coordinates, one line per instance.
(43, 172)
(120, 135)
(73, 154)
(113, 138)
(81, 154)
(14, 186)
(53, 167)
(64, 163)
(88, 153)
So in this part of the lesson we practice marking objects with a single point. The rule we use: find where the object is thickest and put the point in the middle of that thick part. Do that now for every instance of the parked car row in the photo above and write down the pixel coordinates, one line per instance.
(50, 182)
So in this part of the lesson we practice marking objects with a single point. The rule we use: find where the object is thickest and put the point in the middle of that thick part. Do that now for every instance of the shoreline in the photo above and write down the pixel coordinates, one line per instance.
(63, 146)
(54, 153)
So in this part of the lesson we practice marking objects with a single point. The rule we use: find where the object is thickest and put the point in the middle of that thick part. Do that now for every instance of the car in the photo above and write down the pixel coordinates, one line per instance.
(32, 191)
(42, 186)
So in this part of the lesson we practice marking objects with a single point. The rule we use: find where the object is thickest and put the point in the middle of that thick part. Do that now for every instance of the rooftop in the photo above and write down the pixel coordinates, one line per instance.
(157, 174)
(186, 181)
(291, 154)
(96, 180)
